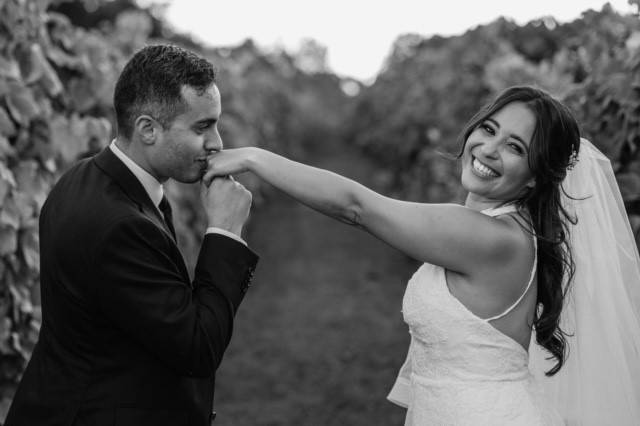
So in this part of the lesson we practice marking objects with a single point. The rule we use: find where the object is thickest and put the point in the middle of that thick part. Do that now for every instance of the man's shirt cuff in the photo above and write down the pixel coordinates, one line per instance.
(214, 230)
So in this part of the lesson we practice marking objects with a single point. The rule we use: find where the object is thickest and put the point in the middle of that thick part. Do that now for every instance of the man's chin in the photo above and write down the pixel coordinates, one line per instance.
(189, 179)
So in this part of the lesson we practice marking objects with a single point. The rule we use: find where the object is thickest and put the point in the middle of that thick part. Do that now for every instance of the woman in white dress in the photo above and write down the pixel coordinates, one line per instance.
(494, 269)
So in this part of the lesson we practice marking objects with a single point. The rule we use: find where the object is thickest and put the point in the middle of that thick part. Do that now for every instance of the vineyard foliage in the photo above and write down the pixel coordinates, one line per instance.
(430, 87)
(57, 79)
(56, 86)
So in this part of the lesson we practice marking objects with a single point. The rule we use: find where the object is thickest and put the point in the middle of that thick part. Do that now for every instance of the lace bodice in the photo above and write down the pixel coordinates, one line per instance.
(447, 335)
(460, 369)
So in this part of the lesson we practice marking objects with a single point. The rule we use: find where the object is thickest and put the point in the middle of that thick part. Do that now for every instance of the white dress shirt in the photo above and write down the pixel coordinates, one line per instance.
(155, 190)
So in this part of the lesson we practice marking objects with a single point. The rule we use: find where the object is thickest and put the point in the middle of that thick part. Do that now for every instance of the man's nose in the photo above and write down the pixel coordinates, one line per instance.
(213, 142)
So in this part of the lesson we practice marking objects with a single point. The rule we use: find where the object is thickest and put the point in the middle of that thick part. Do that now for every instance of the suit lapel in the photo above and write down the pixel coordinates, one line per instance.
(131, 186)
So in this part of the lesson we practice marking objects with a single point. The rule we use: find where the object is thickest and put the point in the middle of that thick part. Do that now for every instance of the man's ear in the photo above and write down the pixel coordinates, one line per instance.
(147, 129)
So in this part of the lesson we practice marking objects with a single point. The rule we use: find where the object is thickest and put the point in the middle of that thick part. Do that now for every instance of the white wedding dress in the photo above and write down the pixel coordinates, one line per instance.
(460, 370)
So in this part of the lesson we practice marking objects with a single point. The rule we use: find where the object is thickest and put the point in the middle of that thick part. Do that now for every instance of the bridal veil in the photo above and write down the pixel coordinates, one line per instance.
(600, 381)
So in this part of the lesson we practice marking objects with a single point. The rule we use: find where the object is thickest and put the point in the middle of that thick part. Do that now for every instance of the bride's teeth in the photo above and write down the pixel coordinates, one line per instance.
(482, 169)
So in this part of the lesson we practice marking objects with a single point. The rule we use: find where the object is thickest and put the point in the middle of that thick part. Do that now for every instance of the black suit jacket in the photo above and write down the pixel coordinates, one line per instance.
(126, 337)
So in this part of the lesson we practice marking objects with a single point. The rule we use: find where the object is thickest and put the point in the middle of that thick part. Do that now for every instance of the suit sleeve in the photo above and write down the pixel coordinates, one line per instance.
(140, 289)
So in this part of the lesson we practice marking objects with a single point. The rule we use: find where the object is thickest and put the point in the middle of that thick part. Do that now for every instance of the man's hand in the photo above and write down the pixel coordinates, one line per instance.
(227, 204)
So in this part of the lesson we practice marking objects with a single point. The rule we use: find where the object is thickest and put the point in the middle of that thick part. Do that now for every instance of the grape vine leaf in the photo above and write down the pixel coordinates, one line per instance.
(10, 214)
(8, 240)
(30, 248)
(21, 103)
(41, 71)
(6, 150)
(9, 68)
(7, 182)
(30, 180)
(68, 137)
(7, 128)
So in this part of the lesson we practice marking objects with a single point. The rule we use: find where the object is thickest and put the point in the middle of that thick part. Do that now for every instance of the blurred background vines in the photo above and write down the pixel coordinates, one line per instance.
(59, 61)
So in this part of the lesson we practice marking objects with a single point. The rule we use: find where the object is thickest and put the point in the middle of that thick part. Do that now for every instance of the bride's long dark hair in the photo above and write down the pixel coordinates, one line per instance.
(554, 146)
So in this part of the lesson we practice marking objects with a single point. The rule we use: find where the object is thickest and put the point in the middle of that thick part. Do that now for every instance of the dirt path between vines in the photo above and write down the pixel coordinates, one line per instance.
(319, 337)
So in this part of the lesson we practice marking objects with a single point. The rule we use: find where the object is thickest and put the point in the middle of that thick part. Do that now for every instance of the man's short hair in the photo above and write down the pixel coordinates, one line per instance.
(151, 83)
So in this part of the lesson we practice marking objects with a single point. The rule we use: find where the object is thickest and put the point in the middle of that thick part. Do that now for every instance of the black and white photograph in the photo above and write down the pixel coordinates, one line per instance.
(336, 213)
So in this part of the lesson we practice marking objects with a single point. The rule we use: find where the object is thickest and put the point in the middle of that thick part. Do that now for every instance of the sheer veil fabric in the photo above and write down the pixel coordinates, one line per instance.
(600, 381)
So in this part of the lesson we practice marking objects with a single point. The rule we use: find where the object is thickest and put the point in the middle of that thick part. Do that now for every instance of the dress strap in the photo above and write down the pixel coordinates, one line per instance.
(497, 211)
(505, 209)
(531, 276)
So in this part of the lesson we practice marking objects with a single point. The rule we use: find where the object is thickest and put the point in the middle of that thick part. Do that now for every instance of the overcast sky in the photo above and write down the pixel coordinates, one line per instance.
(358, 33)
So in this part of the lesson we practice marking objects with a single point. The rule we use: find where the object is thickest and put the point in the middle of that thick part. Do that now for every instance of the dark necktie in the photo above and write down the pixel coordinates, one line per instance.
(165, 208)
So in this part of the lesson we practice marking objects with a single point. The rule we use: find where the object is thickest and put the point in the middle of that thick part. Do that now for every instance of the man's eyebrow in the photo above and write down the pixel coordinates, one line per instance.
(513, 135)
(206, 121)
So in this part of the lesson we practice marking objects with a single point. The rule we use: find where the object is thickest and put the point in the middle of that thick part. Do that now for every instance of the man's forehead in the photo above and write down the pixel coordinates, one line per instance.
(198, 106)
(191, 92)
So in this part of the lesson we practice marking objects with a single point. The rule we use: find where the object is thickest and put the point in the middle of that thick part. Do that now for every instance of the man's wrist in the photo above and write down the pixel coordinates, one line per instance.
(233, 228)
(231, 234)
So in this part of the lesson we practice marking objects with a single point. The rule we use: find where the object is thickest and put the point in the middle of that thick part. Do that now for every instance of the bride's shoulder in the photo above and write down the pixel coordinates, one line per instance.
(517, 234)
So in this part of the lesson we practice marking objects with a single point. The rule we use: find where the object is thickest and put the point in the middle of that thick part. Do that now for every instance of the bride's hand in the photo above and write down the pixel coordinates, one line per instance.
(226, 162)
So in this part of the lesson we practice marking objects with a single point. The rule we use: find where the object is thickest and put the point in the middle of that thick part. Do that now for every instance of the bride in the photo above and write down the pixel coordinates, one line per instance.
(525, 311)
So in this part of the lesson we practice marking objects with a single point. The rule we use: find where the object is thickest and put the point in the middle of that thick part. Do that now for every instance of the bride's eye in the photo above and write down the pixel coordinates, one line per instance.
(487, 128)
(516, 148)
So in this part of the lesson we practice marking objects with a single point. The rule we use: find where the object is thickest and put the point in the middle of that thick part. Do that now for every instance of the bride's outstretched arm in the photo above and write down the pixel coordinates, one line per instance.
(449, 235)
(322, 190)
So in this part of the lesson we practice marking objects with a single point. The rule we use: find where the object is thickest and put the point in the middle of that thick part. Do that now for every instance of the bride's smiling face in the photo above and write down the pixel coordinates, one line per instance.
(495, 160)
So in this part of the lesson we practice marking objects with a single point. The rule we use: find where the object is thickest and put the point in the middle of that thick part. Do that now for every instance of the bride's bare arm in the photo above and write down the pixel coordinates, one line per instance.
(449, 235)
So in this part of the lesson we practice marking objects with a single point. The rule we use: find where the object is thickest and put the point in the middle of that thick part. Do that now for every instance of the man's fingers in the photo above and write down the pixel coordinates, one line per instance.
(207, 178)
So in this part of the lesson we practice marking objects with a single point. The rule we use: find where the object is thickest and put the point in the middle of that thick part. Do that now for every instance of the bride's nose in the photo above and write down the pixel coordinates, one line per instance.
(489, 149)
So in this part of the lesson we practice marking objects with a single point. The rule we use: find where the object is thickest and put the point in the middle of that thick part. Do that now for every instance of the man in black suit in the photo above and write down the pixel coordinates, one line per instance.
(127, 338)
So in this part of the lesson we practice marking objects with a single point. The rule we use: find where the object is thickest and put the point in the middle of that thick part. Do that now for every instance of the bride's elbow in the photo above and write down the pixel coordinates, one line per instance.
(352, 214)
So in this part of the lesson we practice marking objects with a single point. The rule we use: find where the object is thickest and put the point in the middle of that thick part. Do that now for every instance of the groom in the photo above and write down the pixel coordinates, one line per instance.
(127, 338)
